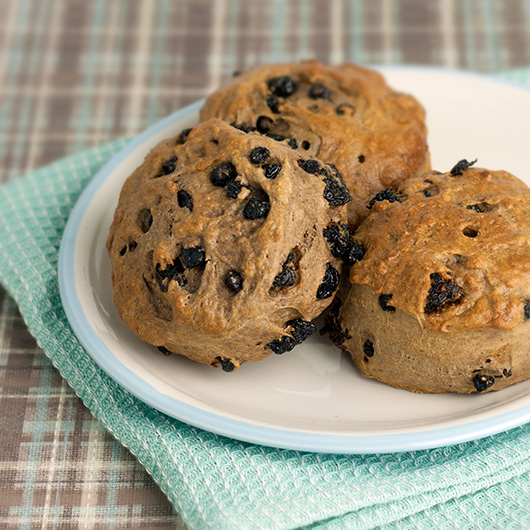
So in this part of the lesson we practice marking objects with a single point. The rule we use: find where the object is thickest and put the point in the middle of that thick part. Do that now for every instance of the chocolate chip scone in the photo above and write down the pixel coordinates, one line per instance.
(440, 301)
(218, 249)
(345, 115)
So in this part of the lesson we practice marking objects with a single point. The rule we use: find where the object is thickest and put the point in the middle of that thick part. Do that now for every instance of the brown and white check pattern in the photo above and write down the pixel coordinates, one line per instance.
(76, 73)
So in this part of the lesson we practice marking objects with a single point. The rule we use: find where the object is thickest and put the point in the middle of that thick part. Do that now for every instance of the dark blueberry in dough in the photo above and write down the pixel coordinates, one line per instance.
(301, 330)
(184, 135)
(272, 170)
(259, 155)
(443, 292)
(234, 281)
(169, 165)
(123, 251)
(273, 103)
(427, 193)
(309, 166)
(338, 236)
(481, 207)
(355, 253)
(341, 245)
(383, 302)
(164, 350)
(482, 382)
(330, 282)
(341, 109)
(292, 143)
(132, 245)
(319, 91)
(145, 220)
(527, 308)
(233, 188)
(245, 128)
(385, 195)
(263, 124)
(282, 86)
(335, 192)
(192, 257)
(306, 145)
(226, 364)
(222, 174)
(368, 348)
(507, 373)
(361, 159)
(257, 208)
(282, 345)
(287, 276)
(185, 200)
(170, 273)
(277, 137)
(461, 166)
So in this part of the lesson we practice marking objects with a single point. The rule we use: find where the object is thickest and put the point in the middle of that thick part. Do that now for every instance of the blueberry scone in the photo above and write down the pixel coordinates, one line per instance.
(440, 301)
(218, 245)
(345, 115)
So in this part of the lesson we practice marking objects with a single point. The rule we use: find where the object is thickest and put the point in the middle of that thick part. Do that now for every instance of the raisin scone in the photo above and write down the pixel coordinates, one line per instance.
(345, 115)
(217, 246)
(440, 301)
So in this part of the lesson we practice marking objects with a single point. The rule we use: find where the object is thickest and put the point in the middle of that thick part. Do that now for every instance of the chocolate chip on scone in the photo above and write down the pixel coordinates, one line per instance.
(218, 245)
(440, 301)
(344, 115)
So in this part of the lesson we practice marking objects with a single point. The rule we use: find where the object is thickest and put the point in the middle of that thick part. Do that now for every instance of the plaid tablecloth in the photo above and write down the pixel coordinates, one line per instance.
(75, 73)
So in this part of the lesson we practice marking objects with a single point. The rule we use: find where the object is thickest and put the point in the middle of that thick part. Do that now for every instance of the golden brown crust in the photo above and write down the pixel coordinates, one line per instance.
(376, 136)
(183, 299)
(454, 253)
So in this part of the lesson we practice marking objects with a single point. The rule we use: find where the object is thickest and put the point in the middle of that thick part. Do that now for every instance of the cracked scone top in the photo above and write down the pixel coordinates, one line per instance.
(346, 115)
(440, 300)
(217, 245)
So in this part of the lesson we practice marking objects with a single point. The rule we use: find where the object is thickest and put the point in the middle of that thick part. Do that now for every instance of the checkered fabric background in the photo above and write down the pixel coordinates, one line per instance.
(75, 73)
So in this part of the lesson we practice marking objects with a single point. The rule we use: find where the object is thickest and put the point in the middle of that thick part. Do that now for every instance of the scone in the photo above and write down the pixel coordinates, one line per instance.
(345, 115)
(440, 301)
(217, 246)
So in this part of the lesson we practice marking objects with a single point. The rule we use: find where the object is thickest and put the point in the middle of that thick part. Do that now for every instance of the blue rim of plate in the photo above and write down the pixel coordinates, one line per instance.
(233, 428)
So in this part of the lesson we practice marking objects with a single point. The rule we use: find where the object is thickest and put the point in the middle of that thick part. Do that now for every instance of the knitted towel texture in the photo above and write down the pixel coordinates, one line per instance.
(223, 484)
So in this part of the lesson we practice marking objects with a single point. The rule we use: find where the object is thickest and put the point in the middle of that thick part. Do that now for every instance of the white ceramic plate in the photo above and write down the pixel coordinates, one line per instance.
(312, 398)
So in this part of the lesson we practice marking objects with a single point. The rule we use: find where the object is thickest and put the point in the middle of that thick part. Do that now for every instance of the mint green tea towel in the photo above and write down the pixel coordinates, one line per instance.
(222, 484)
